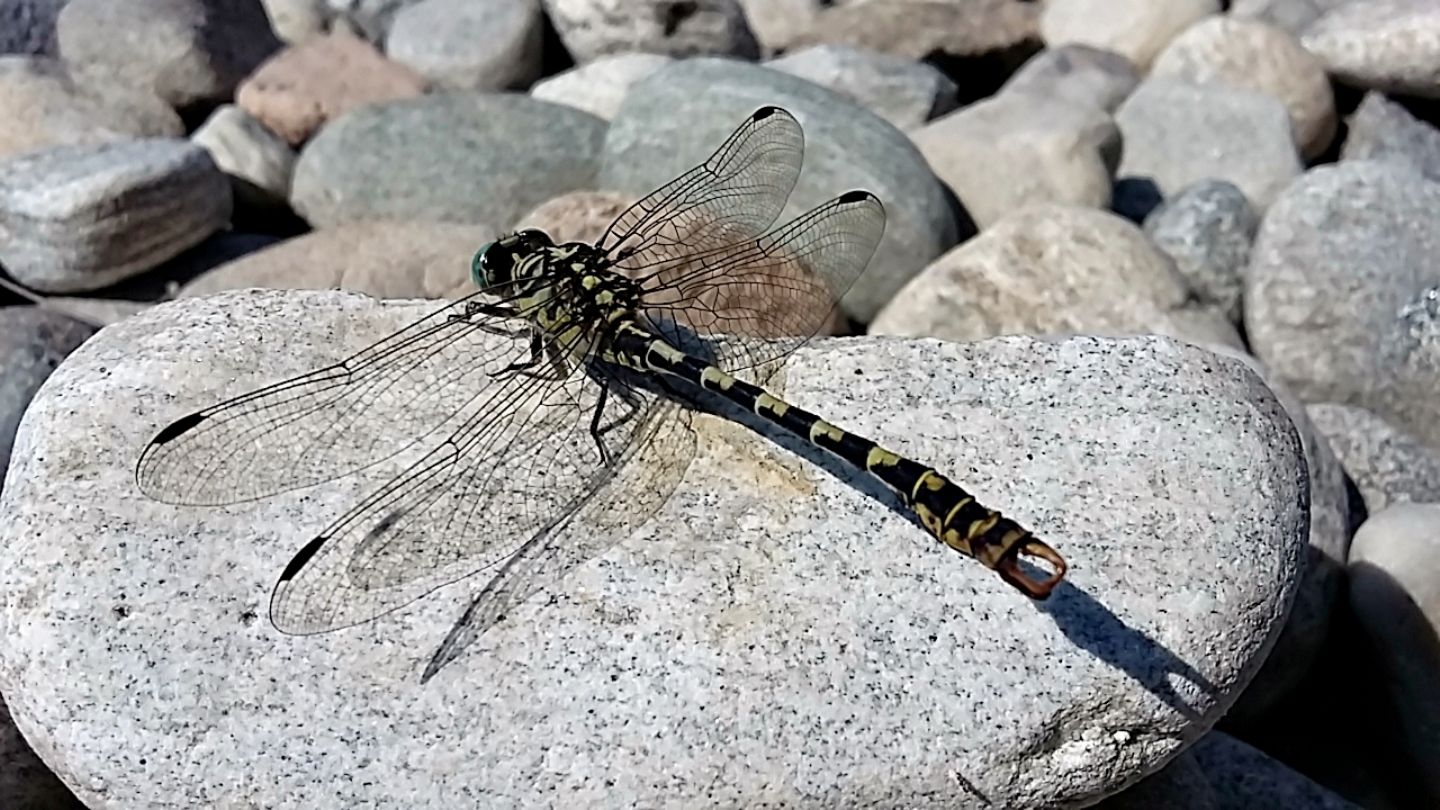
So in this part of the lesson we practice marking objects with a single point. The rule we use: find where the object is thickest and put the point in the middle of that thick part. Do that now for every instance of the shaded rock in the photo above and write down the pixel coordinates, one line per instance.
(1411, 359)
(32, 343)
(1050, 270)
(449, 157)
(599, 86)
(184, 51)
(683, 604)
(676, 118)
(778, 24)
(1387, 464)
(82, 217)
(592, 28)
(258, 161)
(42, 106)
(1180, 785)
(1016, 149)
(1395, 593)
(383, 259)
(919, 29)
(1077, 73)
(1297, 649)
(465, 45)
(1380, 129)
(1336, 259)
(1207, 229)
(1177, 134)
(1260, 57)
(1135, 29)
(1387, 45)
(28, 26)
(295, 93)
(902, 91)
(1244, 778)
(25, 782)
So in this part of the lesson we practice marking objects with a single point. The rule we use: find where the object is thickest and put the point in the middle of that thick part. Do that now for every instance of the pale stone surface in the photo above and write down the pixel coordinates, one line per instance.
(677, 117)
(1051, 269)
(295, 21)
(902, 91)
(258, 161)
(1259, 57)
(710, 626)
(383, 259)
(59, 227)
(1387, 464)
(184, 51)
(1017, 149)
(1395, 593)
(1338, 258)
(464, 45)
(593, 28)
(1135, 29)
(599, 86)
(1388, 45)
(1177, 134)
(303, 87)
(41, 105)
(25, 782)
(1078, 73)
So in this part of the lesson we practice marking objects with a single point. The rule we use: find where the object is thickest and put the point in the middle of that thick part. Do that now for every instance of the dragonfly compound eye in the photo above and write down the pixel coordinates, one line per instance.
(492, 265)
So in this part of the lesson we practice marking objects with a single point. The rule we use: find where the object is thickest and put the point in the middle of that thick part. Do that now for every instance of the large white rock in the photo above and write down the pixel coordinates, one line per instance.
(775, 634)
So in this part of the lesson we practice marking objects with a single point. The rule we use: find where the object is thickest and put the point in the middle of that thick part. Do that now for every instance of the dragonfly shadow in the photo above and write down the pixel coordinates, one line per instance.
(1093, 627)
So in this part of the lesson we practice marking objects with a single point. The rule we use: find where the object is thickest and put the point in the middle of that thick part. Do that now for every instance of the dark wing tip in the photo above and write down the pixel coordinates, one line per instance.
(857, 195)
(180, 426)
(764, 112)
(301, 557)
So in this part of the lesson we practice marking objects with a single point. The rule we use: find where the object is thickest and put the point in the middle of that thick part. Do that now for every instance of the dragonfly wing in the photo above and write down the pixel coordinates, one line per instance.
(733, 196)
(636, 491)
(520, 466)
(771, 294)
(329, 423)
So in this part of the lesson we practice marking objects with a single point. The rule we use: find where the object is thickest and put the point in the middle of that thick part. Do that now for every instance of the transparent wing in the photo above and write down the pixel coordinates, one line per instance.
(521, 465)
(334, 421)
(733, 196)
(768, 295)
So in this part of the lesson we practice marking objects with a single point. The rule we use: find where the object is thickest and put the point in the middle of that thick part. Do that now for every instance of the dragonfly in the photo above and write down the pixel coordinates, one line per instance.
(557, 395)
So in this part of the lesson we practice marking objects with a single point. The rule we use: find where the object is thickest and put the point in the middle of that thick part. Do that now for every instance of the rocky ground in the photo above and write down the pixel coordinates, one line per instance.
(1160, 278)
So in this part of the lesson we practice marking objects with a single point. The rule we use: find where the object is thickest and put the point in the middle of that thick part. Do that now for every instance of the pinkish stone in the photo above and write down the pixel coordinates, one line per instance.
(305, 85)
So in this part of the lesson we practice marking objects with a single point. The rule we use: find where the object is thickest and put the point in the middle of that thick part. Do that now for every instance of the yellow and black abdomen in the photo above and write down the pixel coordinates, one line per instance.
(945, 509)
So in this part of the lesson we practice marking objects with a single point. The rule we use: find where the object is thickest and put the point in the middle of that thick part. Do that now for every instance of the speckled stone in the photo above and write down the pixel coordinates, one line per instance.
(60, 228)
(464, 45)
(1388, 45)
(1180, 785)
(32, 343)
(677, 117)
(1387, 464)
(1207, 229)
(25, 782)
(773, 635)
(1136, 29)
(1078, 73)
(920, 28)
(591, 28)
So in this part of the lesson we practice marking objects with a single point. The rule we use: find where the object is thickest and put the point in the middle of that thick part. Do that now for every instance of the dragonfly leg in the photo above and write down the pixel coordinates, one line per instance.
(595, 431)
(536, 350)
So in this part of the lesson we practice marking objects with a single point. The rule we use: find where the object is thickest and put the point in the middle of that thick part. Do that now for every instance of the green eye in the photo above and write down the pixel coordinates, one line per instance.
(477, 266)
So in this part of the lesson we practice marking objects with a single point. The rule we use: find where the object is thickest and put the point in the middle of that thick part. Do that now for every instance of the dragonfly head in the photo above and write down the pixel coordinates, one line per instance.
(495, 263)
